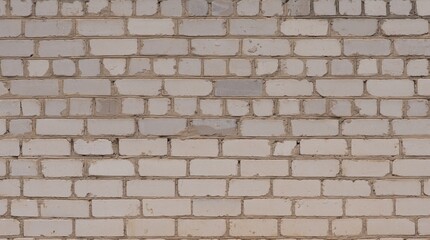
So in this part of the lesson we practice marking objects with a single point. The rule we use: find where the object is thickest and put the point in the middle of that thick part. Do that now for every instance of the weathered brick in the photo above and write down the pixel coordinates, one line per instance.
(217, 47)
(150, 227)
(317, 47)
(150, 26)
(62, 48)
(100, 27)
(367, 47)
(47, 28)
(355, 27)
(304, 27)
(113, 47)
(266, 47)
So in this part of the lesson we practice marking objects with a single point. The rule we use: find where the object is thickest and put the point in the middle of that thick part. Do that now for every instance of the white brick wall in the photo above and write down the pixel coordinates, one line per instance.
(214, 119)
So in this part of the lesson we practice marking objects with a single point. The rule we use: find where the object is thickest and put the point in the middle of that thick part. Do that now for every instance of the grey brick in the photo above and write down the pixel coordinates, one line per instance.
(162, 126)
(214, 126)
(239, 87)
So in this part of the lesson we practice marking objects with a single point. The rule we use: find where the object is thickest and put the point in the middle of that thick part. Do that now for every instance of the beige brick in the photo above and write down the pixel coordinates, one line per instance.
(17, 48)
(47, 28)
(417, 147)
(211, 167)
(295, 188)
(99, 227)
(411, 127)
(150, 26)
(411, 167)
(216, 207)
(251, 27)
(244, 187)
(318, 207)
(59, 127)
(304, 27)
(397, 187)
(346, 188)
(253, 227)
(47, 188)
(204, 227)
(151, 188)
(47, 227)
(266, 47)
(304, 227)
(367, 47)
(98, 188)
(246, 147)
(161, 167)
(37, 147)
(111, 126)
(347, 227)
(412, 207)
(355, 27)
(24, 208)
(87, 86)
(202, 27)
(195, 147)
(115, 208)
(34, 87)
(264, 168)
(317, 47)
(390, 227)
(164, 46)
(390, 88)
(323, 147)
(179, 87)
(121, 47)
(217, 47)
(62, 168)
(369, 207)
(114, 167)
(368, 127)
(93, 147)
(100, 27)
(377, 147)
(281, 87)
(202, 187)
(315, 168)
(167, 207)
(267, 207)
(266, 127)
(423, 226)
(365, 168)
(340, 88)
(9, 187)
(62, 48)
(135, 147)
(9, 227)
(315, 127)
(405, 26)
(65, 208)
(9, 147)
(10, 28)
(150, 227)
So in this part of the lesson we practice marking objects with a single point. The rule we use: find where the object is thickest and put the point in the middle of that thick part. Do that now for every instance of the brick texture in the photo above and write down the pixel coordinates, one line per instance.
(214, 119)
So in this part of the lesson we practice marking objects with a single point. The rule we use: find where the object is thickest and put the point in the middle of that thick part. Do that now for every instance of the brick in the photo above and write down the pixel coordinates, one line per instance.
(318, 207)
(347, 226)
(210, 167)
(47, 227)
(195, 147)
(9, 147)
(9, 187)
(160, 167)
(266, 47)
(405, 47)
(195, 87)
(304, 27)
(150, 26)
(150, 188)
(61, 48)
(217, 47)
(100, 27)
(115, 208)
(281, 87)
(240, 87)
(412, 207)
(243, 187)
(411, 167)
(422, 6)
(111, 126)
(21, 8)
(317, 47)
(59, 126)
(323, 147)
(102, 47)
(304, 227)
(252, 27)
(146, 7)
(405, 26)
(148, 87)
(46, 8)
(23, 167)
(65, 208)
(203, 227)
(98, 188)
(24, 208)
(10, 28)
(87, 86)
(202, 27)
(294, 188)
(202, 187)
(166, 207)
(214, 126)
(253, 227)
(113, 167)
(390, 226)
(355, 27)
(245, 147)
(263, 168)
(171, 8)
(367, 127)
(122, 7)
(423, 226)
(238, 107)
(367, 47)
(346, 188)
(411, 127)
(348, 7)
(397, 187)
(37, 147)
(74, 8)
(418, 147)
(266, 127)
(315, 168)
(99, 227)
(315, 127)
(375, 7)
(339, 88)
(62, 168)
(48, 28)
(134, 147)
(10, 107)
(150, 227)
(222, 8)
(365, 168)
(398, 88)
(369, 207)
(21, 48)
(164, 46)
(157, 126)
(94, 147)
(267, 207)
(377, 147)
(216, 207)
(34, 87)
(47, 188)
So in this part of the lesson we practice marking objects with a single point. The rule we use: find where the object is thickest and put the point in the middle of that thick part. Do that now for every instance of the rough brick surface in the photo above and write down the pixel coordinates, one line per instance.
(214, 119)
